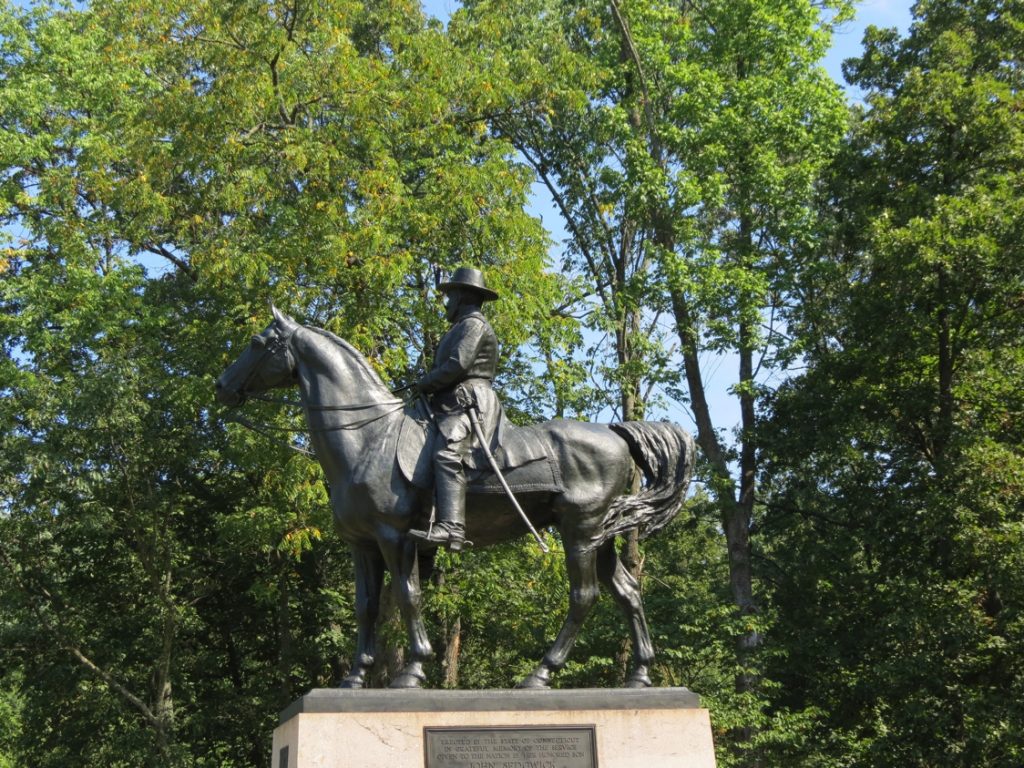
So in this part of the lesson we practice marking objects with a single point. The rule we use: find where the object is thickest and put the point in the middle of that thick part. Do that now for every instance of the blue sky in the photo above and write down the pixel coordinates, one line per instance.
(847, 42)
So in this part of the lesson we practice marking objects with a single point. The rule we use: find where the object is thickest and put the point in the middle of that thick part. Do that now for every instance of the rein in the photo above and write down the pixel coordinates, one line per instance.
(265, 429)
(353, 407)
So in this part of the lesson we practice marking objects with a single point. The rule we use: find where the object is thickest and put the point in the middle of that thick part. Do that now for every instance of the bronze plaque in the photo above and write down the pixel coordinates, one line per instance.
(511, 747)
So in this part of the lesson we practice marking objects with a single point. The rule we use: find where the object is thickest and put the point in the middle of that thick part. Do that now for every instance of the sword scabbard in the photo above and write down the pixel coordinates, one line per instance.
(474, 419)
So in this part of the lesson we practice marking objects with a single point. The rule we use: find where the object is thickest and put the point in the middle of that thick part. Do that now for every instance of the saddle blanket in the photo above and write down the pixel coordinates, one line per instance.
(538, 476)
(526, 461)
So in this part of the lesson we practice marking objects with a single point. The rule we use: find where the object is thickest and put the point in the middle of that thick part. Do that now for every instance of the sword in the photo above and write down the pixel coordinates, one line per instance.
(474, 419)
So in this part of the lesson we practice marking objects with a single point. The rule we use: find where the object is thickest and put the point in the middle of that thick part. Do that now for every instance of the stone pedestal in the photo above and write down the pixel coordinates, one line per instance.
(589, 728)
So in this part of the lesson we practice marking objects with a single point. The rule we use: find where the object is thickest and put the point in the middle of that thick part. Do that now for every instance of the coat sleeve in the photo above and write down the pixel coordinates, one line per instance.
(459, 349)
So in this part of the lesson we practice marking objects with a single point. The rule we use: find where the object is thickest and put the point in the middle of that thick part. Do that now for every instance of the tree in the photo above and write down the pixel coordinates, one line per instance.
(895, 515)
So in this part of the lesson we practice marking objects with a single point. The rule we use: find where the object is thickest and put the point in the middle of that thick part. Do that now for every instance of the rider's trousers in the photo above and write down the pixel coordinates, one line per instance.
(452, 444)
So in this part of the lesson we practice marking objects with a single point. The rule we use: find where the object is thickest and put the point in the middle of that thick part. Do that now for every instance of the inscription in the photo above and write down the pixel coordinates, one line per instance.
(512, 747)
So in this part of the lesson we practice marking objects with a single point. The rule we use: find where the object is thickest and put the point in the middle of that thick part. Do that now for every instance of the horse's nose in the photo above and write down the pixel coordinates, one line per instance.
(224, 395)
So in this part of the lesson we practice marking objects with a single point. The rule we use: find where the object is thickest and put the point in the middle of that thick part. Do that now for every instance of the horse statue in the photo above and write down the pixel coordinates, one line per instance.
(355, 423)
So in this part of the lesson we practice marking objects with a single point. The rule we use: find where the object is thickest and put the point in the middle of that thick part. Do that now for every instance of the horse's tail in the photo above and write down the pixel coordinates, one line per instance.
(665, 453)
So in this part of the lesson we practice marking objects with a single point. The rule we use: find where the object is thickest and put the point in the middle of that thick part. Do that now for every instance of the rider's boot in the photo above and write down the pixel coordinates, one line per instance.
(450, 527)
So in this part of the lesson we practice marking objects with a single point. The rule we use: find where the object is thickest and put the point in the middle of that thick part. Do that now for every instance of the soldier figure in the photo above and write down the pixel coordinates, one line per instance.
(464, 367)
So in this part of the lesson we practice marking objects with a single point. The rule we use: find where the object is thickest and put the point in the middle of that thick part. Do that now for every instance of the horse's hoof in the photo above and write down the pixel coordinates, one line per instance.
(532, 683)
(636, 681)
(538, 680)
(352, 681)
(410, 677)
(407, 680)
(639, 679)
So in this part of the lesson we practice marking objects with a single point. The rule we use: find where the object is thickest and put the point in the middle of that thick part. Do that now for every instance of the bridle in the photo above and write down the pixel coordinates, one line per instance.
(269, 347)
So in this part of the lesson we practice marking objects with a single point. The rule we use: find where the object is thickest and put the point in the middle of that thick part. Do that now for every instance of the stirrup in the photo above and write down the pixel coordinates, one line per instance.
(442, 534)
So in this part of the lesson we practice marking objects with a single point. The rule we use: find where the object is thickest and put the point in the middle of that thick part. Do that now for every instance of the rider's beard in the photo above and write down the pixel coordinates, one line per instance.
(452, 306)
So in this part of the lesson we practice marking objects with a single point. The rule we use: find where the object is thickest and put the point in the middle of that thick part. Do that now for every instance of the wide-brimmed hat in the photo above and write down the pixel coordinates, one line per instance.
(473, 279)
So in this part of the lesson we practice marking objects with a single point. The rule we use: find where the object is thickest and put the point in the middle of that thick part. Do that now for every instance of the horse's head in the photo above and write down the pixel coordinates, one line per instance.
(266, 363)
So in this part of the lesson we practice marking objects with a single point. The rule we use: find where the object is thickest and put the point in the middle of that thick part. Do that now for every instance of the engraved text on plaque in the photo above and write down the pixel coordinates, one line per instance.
(512, 747)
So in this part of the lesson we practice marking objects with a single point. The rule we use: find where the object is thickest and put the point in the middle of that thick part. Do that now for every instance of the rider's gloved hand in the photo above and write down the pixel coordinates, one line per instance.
(424, 386)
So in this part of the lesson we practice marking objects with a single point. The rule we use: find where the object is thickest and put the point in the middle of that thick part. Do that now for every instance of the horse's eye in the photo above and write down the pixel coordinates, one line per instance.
(259, 341)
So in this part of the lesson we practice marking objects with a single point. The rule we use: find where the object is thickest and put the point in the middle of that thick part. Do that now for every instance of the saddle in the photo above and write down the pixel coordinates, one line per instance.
(523, 454)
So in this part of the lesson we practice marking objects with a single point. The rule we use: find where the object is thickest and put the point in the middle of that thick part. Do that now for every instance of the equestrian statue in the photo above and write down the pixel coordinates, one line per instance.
(408, 477)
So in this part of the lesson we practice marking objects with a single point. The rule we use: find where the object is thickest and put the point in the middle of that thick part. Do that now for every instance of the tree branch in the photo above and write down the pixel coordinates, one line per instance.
(180, 263)
(74, 650)
(627, 38)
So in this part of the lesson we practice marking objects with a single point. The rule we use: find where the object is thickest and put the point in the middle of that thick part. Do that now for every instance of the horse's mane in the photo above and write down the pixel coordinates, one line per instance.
(354, 353)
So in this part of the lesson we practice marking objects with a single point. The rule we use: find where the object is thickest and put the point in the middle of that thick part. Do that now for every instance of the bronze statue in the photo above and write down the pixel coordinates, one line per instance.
(460, 379)
(566, 474)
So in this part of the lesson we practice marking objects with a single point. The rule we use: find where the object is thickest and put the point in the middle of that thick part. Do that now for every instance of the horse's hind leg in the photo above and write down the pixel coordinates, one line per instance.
(626, 591)
(369, 569)
(583, 592)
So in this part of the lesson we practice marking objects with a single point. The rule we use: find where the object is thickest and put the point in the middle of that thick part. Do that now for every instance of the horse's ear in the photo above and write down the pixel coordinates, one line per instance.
(284, 322)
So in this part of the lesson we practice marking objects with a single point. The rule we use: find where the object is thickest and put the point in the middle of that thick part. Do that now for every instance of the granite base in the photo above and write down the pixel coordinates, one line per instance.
(588, 728)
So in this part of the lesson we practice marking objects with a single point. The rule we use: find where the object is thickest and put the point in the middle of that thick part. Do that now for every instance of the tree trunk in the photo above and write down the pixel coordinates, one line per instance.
(284, 638)
(162, 691)
(742, 586)
(390, 641)
(452, 649)
(736, 509)
(629, 554)
(944, 428)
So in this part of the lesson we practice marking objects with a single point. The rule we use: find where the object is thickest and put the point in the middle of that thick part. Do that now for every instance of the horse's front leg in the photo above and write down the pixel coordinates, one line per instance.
(403, 562)
(369, 568)
(583, 593)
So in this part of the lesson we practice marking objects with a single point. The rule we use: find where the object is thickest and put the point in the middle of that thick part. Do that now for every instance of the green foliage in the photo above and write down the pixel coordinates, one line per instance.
(170, 579)
(510, 601)
(10, 721)
(895, 508)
